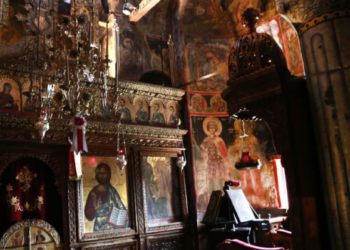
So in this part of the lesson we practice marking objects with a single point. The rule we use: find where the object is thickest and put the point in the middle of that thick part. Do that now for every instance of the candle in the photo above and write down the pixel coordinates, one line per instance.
(101, 61)
(67, 64)
(54, 34)
(89, 33)
(107, 42)
(116, 76)
(92, 42)
(31, 76)
(40, 89)
(44, 45)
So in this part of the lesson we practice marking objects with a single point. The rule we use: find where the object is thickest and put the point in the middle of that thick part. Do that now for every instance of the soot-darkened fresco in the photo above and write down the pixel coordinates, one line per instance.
(216, 145)
(217, 17)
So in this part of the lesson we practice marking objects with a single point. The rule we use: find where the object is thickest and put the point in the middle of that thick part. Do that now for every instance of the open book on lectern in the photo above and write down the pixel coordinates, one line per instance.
(118, 217)
(229, 206)
(241, 206)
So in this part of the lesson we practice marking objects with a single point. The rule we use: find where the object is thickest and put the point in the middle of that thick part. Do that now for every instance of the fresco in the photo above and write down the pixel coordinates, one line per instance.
(291, 48)
(206, 56)
(198, 103)
(217, 17)
(217, 104)
(140, 47)
(212, 165)
(157, 20)
(159, 52)
(15, 29)
(273, 29)
(132, 57)
(207, 104)
(216, 83)
(216, 145)
(258, 185)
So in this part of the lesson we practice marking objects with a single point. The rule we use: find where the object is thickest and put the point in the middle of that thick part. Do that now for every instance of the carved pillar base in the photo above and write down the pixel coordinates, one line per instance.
(325, 43)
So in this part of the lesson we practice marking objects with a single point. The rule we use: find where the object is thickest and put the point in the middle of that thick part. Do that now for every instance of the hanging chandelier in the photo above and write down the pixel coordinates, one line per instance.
(68, 50)
(246, 161)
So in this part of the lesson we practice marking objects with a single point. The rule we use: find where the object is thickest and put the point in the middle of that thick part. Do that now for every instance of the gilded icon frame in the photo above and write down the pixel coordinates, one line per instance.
(76, 188)
(177, 196)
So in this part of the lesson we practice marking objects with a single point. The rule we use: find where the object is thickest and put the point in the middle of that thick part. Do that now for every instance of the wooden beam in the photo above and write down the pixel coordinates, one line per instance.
(144, 7)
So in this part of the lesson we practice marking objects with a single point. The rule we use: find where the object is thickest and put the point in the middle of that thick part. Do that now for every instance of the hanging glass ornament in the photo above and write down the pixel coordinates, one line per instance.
(42, 125)
(181, 160)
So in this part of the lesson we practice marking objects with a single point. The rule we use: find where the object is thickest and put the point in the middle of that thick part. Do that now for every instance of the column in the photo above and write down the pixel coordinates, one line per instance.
(325, 45)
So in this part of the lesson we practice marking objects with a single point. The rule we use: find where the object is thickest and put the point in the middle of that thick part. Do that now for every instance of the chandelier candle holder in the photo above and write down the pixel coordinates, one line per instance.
(245, 159)
(181, 156)
(121, 153)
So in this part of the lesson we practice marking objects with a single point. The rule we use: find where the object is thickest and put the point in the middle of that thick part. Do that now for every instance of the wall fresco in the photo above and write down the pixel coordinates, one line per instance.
(206, 55)
(216, 145)
(273, 29)
(15, 29)
(157, 20)
(217, 17)
(291, 48)
(207, 104)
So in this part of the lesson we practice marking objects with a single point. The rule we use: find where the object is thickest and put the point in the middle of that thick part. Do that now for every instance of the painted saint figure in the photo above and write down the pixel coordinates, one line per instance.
(102, 198)
(18, 241)
(125, 111)
(215, 152)
(6, 99)
(214, 166)
(141, 114)
(172, 117)
(39, 237)
(158, 117)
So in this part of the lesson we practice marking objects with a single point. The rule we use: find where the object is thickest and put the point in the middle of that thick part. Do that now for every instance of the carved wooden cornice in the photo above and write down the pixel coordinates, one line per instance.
(21, 127)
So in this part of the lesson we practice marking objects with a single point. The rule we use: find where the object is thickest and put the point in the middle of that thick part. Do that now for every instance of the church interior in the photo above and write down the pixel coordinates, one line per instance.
(174, 124)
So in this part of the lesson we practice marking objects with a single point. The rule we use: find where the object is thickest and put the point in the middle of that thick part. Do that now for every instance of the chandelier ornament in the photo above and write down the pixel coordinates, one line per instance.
(121, 152)
(181, 156)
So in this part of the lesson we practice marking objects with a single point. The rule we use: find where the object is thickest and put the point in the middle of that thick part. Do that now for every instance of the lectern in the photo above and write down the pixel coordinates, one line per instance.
(231, 214)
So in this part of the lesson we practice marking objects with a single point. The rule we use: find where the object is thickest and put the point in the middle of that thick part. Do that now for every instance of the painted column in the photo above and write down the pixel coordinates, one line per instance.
(325, 44)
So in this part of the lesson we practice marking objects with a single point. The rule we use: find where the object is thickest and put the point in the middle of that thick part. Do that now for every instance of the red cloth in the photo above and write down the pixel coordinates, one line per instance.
(90, 211)
(27, 192)
(240, 245)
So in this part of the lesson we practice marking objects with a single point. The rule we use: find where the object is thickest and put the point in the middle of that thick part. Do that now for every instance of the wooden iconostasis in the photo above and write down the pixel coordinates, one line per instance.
(147, 199)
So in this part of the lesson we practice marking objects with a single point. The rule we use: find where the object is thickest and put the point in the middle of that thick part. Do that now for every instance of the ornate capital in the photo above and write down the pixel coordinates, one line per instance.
(299, 11)
(321, 18)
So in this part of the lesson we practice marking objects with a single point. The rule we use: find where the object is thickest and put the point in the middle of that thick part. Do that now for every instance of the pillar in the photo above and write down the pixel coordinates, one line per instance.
(325, 45)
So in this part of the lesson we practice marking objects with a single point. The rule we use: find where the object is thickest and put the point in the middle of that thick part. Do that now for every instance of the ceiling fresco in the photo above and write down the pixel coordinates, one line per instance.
(221, 17)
